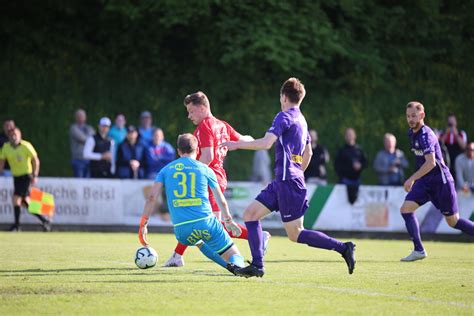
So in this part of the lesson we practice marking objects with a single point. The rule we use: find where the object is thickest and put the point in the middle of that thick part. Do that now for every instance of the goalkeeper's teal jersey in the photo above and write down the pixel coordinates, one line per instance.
(186, 182)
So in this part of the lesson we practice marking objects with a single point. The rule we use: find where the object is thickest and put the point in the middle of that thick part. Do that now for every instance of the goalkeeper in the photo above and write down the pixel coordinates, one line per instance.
(186, 181)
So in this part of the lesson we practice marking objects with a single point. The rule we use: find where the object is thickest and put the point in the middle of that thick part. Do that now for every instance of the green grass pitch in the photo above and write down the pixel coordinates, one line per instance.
(94, 274)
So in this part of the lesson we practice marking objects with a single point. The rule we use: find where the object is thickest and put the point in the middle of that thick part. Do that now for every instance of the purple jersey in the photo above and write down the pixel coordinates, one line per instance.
(292, 131)
(425, 142)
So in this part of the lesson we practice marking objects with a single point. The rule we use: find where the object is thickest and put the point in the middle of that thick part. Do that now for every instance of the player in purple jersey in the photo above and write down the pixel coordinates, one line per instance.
(431, 182)
(287, 192)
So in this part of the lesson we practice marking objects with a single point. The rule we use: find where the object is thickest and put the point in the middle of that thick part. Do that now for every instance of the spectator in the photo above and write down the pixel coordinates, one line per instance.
(262, 171)
(350, 161)
(158, 154)
(390, 162)
(78, 134)
(8, 125)
(131, 156)
(98, 149)
(25, 164)
(316, 171)
(146, 128)
(465, 169)
(455, 140)
(444, 149)
(118, 132)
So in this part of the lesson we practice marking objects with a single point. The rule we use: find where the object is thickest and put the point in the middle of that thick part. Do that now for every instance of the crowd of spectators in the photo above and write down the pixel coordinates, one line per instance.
(119, 150)
(130, 152)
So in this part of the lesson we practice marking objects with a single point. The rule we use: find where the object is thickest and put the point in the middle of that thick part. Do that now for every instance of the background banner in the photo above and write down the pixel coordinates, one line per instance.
(120, 202)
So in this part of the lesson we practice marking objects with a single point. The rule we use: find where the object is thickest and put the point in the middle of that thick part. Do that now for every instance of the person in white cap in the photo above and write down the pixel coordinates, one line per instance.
(98, 149)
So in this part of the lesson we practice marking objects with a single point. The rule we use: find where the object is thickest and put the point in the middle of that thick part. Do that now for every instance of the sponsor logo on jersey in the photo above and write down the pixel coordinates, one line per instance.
(187, 202)
(297, 158)
(417, 152)
(179, 166)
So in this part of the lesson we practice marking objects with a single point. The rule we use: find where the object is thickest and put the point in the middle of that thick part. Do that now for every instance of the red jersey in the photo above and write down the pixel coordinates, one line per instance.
(212, 132)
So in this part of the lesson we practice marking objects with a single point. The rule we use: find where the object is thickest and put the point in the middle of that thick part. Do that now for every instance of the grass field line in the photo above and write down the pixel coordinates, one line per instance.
(376, 294)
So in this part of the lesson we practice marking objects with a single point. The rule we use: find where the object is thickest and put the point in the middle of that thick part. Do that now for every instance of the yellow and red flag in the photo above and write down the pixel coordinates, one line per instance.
(41, 202)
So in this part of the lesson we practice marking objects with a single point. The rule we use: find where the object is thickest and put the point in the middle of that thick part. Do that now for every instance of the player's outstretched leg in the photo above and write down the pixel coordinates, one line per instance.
(464, 225)
(297, 233)
(208, 252)
(176, 259)
(413, 229)
(230, 259)
(234, 259)
(318, 239)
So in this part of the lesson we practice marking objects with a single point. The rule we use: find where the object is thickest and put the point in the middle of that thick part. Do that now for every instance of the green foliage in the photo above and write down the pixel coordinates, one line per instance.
(361, 62)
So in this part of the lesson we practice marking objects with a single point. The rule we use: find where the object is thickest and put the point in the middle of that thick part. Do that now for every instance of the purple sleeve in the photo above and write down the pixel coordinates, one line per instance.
(428, 142)
(280, 124)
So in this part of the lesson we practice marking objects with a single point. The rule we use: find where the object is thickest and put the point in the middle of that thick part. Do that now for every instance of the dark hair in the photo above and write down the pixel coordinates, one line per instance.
(187, 143)
(293, 89)
(198, 98)
(417, 105)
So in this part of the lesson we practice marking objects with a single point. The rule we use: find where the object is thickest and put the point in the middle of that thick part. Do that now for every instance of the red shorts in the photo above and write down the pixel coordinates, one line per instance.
(212, 200)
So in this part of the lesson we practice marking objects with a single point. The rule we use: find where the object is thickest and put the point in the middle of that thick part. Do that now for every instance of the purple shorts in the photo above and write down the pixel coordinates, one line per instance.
(442, 195)
(288, 197)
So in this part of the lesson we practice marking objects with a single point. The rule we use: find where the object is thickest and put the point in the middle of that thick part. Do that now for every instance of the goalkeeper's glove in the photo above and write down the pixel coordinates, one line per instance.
(143, 231)
(232, 227)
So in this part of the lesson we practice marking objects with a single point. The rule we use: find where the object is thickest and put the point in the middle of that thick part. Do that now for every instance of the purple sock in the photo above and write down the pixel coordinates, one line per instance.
(255, 237)
(317, 239)
(413, 230)
(466, 226)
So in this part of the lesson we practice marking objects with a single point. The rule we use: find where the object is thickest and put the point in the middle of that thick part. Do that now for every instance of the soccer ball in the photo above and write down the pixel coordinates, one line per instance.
(146, 257)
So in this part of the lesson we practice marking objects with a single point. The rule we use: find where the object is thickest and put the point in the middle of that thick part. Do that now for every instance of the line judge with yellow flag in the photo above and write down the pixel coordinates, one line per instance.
(24, 164)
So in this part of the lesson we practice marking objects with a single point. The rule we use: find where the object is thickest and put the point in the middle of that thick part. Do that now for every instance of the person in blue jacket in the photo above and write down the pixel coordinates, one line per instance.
(131, 156)
(158, 154)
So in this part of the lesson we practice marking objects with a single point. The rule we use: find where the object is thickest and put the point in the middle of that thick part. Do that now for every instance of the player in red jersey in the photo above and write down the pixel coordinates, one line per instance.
(211, 132)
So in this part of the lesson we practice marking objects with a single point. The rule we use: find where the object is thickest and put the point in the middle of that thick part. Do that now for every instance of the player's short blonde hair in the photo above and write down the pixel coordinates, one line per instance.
(187, 143)
(417, 105)
(197, 98)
